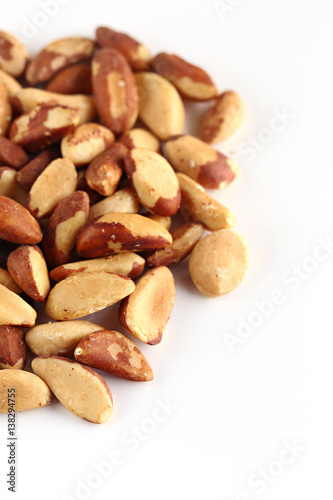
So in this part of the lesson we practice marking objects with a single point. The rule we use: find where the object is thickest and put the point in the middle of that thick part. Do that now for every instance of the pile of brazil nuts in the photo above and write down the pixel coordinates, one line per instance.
(86, 199)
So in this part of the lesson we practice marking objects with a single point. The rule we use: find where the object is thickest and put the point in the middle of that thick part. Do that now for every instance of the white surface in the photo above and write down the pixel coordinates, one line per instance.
(236, 410)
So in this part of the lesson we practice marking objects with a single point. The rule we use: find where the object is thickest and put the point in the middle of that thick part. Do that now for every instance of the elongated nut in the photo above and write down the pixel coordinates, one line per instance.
(164, 220)
(28, 98)
(85, 143)
(184, 239)
(11, 154)
(199, 206)
(27, 266)
(13, 351)
(60, 338)
(71, 80)
(223, 118)
(191, 81)
(79, 388)
(146, 311)
(201, 162)
(114, 90)
(82, 294)
(127, 264)
(13, 54)
(160, 106)
(82, 185)
(10, 187)
(5, 109)
(17, 224)
(56, 182)
(42, 126)
(7, 281)
(62, 228)
(136, 54)
(114, 353)
(30, 391)
(105, 171)
(57, 55)
(27, 175)
(140, 138)
(11, 83)
(14, 311)
(122, 200)
(218, 262)
(117, 233)
(153, 180)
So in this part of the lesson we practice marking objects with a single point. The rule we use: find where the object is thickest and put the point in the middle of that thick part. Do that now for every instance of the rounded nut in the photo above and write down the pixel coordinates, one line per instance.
(13, 54)
(30, 391)
(14, 311)
(123, 201)
(27, 175)
(71, 80)
(10, 187)
(11, 154)
(153, 180)
(218, 262)
(140, 138)
(17, 224)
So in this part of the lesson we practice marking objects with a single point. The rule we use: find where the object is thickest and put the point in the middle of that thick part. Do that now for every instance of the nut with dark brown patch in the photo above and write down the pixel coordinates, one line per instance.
(72, 80)
(16, 224)
(114, 89)
(13, 351)
(118, 232)
(30, 391)
(5, 109)
(114, 353)
(127, 264)
(57, 55)
(140, 138)
(27, 175)
(191, 81)
(11, 154)
(10, 187)
(201, 162)
(153, 180)
(146, 311)
(42, 126)
(136, 54)
(13, 54)
(105, 171)
(62, 228)
(123, 201)
(14, 311)
(85, 143)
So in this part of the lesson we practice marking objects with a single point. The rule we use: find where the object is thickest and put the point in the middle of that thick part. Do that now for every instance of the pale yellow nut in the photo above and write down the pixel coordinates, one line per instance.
(26, 389)
(123, 201)
(14, 310)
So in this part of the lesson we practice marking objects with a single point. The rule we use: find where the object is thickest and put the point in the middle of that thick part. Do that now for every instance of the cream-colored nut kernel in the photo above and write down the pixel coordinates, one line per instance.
(140, 138)
(160, 106)
(218, 262)
(28, 98)
(86, 142)
(55, 183)
(28, 268)
(223, 118)
(13, 54)
(79, 388)
(153, 180)
(127, 264)
(13, 351)
(5, 109)
(164, 220)
(85, 293)
(10, 187)
(146, 311)
(15, 311)
(12, 85)
(60, 338)
(30, 391)
(201, 162)
(123, 201)
(7, 281)
(199, 206)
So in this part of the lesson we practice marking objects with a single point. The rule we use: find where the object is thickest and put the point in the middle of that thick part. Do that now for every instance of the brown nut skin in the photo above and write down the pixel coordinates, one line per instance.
(201, 162)
(11, 154)
(13, 54)
(140, 138)
(137, 55)
(218, 262)
(191, 81)
(42, 126)
(86, 142)
(82, 185)
(63, 226)
(57, 55)
(79, 388)
(147, 310)
(122, 200)
(14, 311)
(114, 353)
(118, 232)
(72, 80)
(5, 109)
(127, 264)
(153, 181)
(16, 224)
(199, 206)
(27, 266)
(105, 171)
(30, 391)
(114, 90)
(27, 175)
(223, 118)
(184, 239)
(10, 187)
(13, 351)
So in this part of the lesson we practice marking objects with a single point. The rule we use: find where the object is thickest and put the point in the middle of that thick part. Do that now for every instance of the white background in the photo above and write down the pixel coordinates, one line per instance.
(234, 406)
